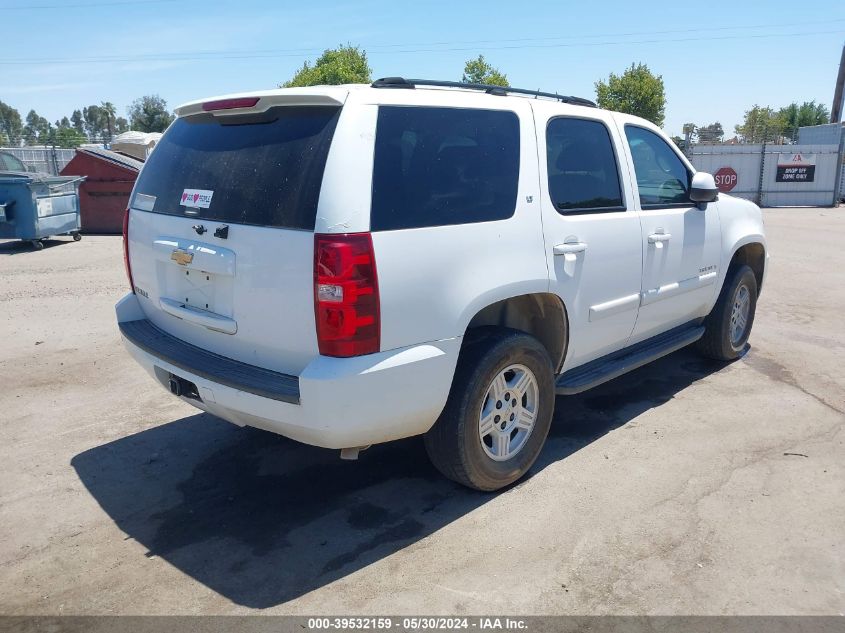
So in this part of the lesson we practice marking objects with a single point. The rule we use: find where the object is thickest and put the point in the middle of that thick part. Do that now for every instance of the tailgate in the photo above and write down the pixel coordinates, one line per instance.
(221, 233)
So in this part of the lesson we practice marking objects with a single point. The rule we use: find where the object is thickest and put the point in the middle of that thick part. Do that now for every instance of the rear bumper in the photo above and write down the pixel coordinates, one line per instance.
(333, 403)
(218, 369)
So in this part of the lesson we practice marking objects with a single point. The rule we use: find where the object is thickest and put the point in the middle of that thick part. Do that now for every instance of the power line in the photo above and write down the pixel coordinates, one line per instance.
(625, 43)
(628, 34)
(116, 3)
(280, 53)
(373, 49)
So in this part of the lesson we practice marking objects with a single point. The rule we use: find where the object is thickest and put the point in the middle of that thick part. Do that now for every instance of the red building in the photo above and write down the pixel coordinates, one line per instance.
(104, 195)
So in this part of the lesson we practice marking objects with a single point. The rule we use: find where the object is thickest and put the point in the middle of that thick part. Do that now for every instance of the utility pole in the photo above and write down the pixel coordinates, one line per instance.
(836, 110)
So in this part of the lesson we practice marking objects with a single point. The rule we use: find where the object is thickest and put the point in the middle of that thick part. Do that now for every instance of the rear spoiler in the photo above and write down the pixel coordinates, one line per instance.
(263, 100)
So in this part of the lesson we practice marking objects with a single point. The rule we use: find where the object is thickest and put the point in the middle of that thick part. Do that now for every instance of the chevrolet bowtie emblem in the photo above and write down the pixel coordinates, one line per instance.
(181, 257)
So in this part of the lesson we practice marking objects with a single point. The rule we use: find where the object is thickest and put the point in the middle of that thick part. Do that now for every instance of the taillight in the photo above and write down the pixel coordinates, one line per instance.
(346, 301)
(126, 249)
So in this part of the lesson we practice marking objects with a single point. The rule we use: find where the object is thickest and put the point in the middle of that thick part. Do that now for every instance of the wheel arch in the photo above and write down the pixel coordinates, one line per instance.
(753, 254)
(541, 315)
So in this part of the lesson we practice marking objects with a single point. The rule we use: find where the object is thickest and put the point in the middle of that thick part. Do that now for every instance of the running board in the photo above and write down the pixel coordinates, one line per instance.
(614, 365)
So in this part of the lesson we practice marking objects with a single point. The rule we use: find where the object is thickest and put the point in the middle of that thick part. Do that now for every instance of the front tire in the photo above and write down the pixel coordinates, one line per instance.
(498, 413)
(728, 325)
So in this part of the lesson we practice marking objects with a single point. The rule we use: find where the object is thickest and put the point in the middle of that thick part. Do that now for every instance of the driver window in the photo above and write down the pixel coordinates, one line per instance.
(662, 178)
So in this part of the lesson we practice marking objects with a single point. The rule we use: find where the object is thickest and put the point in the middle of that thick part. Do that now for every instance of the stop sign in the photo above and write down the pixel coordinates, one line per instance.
(725, 179)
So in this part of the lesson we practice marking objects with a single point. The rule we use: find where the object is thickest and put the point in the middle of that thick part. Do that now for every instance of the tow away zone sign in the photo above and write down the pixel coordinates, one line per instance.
(796, 168)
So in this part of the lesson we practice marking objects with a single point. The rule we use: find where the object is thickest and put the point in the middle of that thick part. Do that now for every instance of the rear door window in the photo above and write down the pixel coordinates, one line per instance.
(263, 169)
(443, 166)
(583, 171)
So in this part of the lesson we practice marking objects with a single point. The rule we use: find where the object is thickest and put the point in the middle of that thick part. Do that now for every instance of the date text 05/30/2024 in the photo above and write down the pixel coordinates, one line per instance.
(417, 623)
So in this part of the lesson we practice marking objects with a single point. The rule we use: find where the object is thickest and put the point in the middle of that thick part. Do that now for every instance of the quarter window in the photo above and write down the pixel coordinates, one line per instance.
(583, 173)
(662, 178)
(442, 166)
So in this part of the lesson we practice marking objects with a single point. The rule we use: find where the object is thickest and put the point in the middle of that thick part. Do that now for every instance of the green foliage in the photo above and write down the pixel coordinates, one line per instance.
(765, 124)
(93, 118)
(69, 137)
(342, 65)
(794, 116)
(637, 91)
(761, 124)
(11, 125)
(149, 114)
(77, 121)
(713, 133)
(479, 71)
(38, 130)
(94, 123)
(108, 114)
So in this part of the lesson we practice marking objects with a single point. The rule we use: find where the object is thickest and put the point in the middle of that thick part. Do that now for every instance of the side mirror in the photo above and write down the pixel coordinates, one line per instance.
(703, 189)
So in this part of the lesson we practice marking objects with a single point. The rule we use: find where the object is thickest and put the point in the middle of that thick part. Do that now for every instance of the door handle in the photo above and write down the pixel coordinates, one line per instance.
(656, 238)
(568, 248)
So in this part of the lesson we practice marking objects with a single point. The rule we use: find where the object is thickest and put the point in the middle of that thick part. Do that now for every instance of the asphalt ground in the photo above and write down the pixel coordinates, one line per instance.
(685, 487)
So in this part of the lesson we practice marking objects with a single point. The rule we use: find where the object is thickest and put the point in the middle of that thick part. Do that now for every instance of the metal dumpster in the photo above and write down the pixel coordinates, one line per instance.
(34, 207)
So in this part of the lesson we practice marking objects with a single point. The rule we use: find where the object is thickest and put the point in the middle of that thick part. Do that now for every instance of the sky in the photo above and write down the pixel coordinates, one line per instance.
(717, 59)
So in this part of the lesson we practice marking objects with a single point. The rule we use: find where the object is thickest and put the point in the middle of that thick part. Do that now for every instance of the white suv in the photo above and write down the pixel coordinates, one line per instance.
(347, 265)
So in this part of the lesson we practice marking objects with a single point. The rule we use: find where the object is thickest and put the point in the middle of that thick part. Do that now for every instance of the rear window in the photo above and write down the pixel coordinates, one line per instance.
(442, 166)
(260, 169)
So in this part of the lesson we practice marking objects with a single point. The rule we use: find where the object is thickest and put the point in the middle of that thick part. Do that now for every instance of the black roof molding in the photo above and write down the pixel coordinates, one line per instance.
(501, 91)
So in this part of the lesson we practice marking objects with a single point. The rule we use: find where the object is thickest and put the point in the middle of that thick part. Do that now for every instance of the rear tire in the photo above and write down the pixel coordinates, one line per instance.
(498, 413)
(37, 244)
(728, 325)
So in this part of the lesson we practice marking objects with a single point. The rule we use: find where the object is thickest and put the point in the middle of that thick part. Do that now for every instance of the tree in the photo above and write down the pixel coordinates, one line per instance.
(149, 114)
(78, 121)
(93, 121)
(108, 112)
(761, 124)
(689, 134)
(712, 133)
(69, 137)
(637, 91)
(342, 65)
(37, 129)
(794, 116)
(11, 125)
(479, 71)
(121, 125)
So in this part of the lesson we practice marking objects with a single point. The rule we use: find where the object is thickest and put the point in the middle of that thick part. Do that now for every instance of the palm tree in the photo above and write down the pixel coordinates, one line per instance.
(110, 113)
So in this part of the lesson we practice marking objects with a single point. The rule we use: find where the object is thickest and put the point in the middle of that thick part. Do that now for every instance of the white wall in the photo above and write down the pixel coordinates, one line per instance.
(746, 161)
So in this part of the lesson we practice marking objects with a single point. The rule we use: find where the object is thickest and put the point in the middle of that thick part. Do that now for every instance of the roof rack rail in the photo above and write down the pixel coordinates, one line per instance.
(410, 84)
